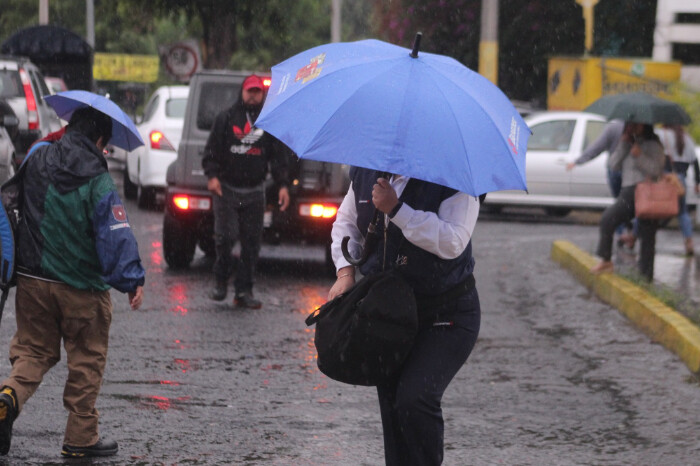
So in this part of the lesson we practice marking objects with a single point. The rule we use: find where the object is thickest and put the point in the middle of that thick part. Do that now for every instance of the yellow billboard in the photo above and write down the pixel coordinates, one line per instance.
(123, 67)
(575, 83)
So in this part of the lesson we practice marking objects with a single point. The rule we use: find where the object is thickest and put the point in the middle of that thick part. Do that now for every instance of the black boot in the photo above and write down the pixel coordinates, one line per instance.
(8, 414)
(101, 448)
(246, 300)
(220, 290)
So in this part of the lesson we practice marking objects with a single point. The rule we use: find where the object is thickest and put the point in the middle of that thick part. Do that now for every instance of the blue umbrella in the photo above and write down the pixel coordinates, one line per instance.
(379, 106)
(124, 132)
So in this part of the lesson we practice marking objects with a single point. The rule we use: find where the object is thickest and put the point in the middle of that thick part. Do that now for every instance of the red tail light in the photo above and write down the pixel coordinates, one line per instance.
(187, 202)
(32, 114)
(159, 141)
(318, 210)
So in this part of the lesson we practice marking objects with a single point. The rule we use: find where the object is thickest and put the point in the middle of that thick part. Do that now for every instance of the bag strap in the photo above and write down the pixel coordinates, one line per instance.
(312, 318)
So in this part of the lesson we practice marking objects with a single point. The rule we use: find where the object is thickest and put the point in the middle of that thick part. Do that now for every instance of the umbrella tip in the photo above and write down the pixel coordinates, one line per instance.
(416, 45)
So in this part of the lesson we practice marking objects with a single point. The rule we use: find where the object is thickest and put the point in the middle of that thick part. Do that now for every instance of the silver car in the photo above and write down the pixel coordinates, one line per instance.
(23, 87)
(7, 149)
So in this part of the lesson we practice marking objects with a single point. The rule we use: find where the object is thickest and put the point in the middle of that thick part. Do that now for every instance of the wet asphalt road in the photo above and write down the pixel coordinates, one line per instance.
(557, 377)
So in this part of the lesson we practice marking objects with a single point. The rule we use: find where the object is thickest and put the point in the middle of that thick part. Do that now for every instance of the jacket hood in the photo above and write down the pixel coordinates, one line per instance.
(73, 161)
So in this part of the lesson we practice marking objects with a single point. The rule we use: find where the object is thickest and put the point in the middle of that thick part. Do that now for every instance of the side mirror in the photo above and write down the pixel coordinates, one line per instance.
(9, 120)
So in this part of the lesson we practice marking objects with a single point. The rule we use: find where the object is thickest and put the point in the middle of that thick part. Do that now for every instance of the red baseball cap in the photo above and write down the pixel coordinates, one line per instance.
(253, 81)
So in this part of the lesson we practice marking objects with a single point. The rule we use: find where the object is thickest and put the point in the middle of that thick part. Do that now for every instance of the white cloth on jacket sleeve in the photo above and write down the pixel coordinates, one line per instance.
(445, 234)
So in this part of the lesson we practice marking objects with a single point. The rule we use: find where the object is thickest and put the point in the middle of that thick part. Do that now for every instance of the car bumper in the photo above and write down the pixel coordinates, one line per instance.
(154, 166)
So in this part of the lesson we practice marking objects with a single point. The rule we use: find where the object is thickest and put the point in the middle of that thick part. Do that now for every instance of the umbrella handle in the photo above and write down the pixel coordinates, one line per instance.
(369, 247)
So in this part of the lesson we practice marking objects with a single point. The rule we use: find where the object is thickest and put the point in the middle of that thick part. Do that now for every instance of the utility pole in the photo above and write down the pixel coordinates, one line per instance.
(336, 7)
(488, 46)
(587, 6)
(43, 12)
(90, 22)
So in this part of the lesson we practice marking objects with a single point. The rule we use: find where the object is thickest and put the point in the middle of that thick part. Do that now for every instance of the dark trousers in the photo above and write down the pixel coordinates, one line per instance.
(623, 211)
(238, 216)
(410, 405)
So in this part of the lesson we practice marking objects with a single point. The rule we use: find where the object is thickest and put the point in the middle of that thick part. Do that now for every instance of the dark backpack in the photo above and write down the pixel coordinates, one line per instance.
(11, 194)
(9, 218)
(364, 335)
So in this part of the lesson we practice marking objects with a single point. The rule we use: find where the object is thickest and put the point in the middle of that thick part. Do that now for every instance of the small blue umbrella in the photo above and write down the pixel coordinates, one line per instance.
(124, 132)
(383, 107)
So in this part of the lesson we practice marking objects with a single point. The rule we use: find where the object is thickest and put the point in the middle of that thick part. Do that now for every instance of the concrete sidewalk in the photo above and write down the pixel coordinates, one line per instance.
(660, 322)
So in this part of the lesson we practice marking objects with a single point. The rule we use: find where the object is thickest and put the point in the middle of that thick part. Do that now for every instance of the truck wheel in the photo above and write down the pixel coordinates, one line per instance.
(557, 211)
(146, 197)
(130, 189)
(178, 242)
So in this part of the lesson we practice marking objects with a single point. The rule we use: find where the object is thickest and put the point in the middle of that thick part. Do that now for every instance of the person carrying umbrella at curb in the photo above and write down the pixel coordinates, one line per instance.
(639, 156)
(74, 242)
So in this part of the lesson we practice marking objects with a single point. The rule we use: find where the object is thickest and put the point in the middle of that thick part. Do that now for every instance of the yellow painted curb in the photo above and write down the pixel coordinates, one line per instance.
(660, 322)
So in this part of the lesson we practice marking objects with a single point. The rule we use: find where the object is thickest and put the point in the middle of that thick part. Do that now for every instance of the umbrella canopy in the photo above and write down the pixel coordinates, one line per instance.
(379, 106)
(640, 107)
(124, 132)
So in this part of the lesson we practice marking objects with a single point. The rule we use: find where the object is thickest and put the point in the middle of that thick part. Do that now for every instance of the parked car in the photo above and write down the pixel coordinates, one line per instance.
(55, 84)
(316, 188)
(22, 85)
(161, 129)
(7, 148)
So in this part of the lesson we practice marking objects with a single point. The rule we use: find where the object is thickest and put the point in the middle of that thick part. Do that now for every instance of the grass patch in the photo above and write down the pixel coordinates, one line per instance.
(667, 295)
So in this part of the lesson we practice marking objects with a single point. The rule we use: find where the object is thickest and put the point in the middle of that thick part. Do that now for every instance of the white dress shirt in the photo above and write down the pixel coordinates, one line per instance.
(445, 234)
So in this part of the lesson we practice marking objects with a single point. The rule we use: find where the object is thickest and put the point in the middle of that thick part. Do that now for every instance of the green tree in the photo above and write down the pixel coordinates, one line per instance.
(357, 17)
(530, 31)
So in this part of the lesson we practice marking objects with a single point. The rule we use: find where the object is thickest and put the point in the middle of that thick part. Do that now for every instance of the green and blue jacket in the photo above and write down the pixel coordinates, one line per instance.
(73, 226)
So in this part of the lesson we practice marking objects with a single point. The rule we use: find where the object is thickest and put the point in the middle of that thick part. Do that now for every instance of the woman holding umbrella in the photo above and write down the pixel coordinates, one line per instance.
(448, 135)
(639, 156)
(426, 235)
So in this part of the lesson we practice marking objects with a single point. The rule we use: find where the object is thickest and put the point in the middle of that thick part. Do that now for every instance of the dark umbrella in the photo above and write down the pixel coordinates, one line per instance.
(640, 107)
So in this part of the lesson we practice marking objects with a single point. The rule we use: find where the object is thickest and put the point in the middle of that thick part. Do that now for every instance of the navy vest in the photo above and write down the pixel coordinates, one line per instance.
(427, 273)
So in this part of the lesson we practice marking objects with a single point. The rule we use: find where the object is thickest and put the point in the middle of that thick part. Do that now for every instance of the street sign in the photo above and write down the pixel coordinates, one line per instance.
(123, 67)
(182, 59)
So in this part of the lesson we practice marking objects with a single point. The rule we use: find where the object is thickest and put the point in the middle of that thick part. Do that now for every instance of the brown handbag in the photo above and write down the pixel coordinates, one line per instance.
(655, 200)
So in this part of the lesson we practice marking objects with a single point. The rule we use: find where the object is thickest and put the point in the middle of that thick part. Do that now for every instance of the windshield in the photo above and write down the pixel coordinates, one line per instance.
(10, 84)
(215, 98)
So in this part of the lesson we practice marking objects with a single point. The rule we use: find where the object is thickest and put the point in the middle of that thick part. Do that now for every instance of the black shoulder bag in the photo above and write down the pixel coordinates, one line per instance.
(364, 335)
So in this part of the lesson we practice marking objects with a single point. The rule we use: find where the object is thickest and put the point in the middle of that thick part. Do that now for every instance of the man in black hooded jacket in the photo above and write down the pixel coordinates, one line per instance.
(237, 158)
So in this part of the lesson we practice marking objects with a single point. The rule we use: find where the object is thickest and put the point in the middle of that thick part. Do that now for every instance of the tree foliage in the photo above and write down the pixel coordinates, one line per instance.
(256, 34)
(530, 32)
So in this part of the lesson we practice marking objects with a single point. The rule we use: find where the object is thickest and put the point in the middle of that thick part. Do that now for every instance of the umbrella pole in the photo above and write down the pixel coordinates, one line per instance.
(371, 239)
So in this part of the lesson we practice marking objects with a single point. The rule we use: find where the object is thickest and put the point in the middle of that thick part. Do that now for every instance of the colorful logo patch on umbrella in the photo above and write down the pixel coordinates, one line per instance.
(119, 213)
(312, 70)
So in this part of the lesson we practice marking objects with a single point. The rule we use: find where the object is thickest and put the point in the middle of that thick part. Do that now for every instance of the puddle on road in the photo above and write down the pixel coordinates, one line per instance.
(147, 382)
(158, 402)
